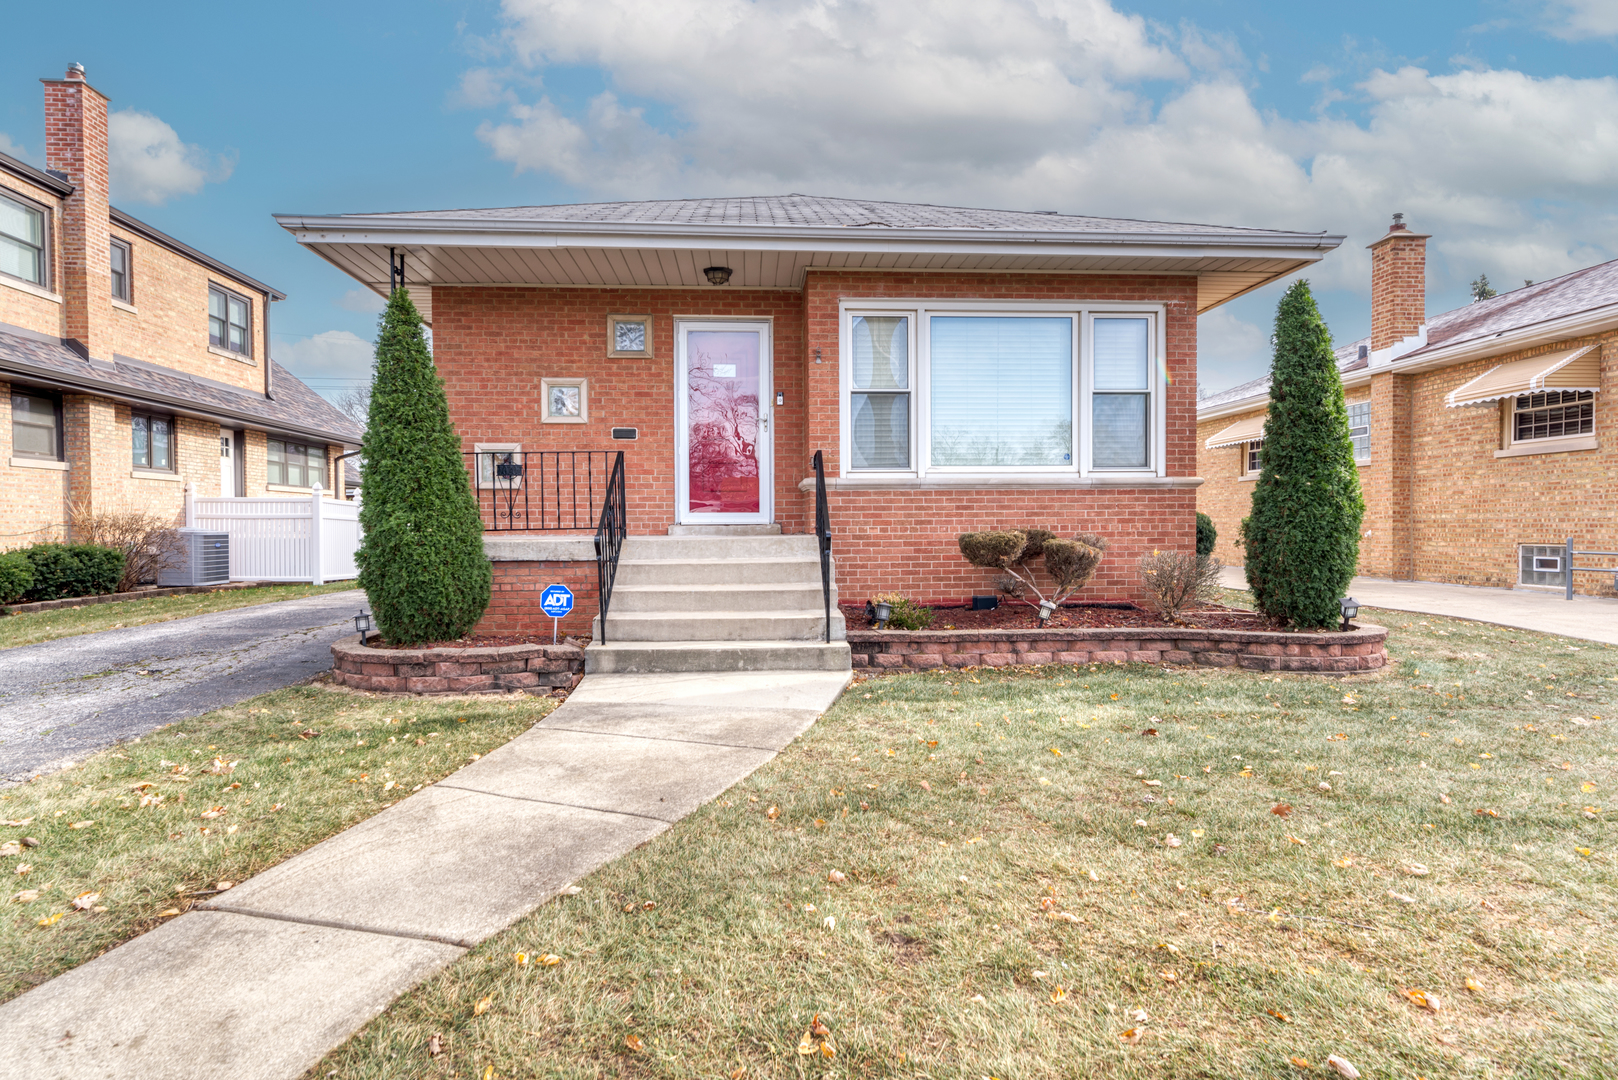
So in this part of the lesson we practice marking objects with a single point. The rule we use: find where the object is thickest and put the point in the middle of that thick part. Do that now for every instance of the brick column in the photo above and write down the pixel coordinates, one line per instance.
(1387, 541)
(76, 144)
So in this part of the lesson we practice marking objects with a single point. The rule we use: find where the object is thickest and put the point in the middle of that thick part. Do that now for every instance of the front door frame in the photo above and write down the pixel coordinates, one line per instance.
(765, 445)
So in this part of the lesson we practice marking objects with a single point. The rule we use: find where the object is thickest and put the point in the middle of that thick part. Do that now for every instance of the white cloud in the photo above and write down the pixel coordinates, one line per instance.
(1227, 349)
(364, 301)
(328, 361)
(13, 148)
(1576, 20)
(148, 162)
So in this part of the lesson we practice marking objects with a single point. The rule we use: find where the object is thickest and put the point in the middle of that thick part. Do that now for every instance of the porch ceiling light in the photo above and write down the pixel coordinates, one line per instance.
(717, 275)
(1350, 608)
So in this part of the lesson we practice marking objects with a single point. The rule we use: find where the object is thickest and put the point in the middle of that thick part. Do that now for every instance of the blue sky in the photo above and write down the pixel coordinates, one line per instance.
(1494, 126)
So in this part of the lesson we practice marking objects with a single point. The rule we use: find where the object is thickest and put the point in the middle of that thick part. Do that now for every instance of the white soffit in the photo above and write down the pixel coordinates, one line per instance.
(1575, 369)
(1248, 429)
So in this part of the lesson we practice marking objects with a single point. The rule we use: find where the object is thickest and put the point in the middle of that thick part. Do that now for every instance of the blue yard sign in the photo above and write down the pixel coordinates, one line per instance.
(556, 601)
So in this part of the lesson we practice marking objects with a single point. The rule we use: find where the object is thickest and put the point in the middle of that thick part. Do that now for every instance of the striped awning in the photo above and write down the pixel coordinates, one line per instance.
(1566, 369)
(1249, 430)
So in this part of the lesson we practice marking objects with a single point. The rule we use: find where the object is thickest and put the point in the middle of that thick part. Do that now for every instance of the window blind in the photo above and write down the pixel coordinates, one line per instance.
(1002, 391)
(880, 435)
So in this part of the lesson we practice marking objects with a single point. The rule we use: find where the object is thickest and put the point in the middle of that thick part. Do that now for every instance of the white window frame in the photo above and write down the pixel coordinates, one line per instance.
(1248, 449)
(1369, 435)
(1083, 315)
(548, 417)
(491, 482)
(1512, 412)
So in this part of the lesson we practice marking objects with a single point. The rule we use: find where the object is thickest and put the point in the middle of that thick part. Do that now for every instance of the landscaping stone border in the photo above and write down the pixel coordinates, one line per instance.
(492, 669)
(1361, 648)
(138, 594)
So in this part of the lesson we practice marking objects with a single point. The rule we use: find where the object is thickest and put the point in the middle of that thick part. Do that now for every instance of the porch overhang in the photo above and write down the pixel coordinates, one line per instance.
(1574, 369)
(455, 249)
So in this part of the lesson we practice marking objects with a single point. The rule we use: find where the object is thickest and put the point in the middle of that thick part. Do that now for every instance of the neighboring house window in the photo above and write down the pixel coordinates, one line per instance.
(228, 321)
(36, 425)
(22, 240)
(1359, 429)
(1254, 456)
(967, 390)
(152, 441)
(292, 465)
(121, 262)
(1555, 414)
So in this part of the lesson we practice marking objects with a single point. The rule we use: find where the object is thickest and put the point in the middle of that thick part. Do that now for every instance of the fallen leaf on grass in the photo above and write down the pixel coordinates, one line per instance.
(1064, 916)
(1092, 875)
(1152, 783)
(1296, 840)
(20, 822)
(10, 847)
(1417, 869)
(1302, 1063)
(488, 1072)
(168, 913)
(836, 877)
(52, 920)
(1587, 786)
(218, 811)
(482, 1006)
(1040, 974)
(634, 1043)
(81, 824)
(1281, 809)
(1059, 995)
(308, 733)
(27, 896)
(221, 767)
(1172, 841)
(925, 786)
(1343, 1067)
(23, 868)
(1584, 851)
(86, 900)
(1344, 863)
(738, 1072)
(1401, 897)
(1474, 986)
(435, 1046)
(1169, 976)
(828, 1051)
(1055, 751)
(1487, 813)
(806, 1045)
(1149, 731)
(1132, 1036)
(772, 813)
(1139, 1016)
(1427, 1001)
(1281, 1016)
(817, 1027)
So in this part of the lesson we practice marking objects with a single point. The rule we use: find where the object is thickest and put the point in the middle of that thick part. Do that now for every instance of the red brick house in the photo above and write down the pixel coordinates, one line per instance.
(958, 369)
(1481, 433)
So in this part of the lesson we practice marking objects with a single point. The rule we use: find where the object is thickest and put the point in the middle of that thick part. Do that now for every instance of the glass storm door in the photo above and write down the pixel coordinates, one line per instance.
(722, 392)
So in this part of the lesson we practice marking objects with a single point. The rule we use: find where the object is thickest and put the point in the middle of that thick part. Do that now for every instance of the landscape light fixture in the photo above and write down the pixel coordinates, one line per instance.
(717, 275)
(1046, 609)
(1351, 608)
(882, 613)
(362, 623)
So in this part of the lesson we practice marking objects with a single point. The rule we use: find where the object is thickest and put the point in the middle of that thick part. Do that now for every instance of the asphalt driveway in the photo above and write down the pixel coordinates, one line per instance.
(63, 700)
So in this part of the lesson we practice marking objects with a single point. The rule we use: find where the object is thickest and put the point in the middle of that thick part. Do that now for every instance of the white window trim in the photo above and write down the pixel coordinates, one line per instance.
(156, 474)
(53, 464)
(583, 384)
(30, 288)
(1560, 444)
(1248, 475)
(1082, 313)
(1369, 432)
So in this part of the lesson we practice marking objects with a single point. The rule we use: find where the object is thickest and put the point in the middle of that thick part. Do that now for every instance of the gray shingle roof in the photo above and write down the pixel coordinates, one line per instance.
(1348, 359)
(815, 211)
(295, 409)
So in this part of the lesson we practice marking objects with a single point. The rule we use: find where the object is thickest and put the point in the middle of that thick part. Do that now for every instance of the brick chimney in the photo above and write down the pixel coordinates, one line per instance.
(76, 145)
(1398, 286)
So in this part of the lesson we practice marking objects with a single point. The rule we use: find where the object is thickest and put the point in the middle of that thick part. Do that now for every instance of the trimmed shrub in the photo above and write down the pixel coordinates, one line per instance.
(1207, 535)
(16, 577)
(1178, 581)
(421, 561)
(904, 613)
(1070, 563)
(1302, 540)
(63, 571)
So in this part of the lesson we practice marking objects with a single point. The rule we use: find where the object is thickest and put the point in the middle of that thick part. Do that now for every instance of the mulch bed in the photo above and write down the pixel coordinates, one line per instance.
(1019, 616)
(474, 641)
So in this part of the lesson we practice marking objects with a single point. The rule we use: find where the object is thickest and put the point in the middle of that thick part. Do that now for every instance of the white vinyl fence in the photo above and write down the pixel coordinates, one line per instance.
(286, 538)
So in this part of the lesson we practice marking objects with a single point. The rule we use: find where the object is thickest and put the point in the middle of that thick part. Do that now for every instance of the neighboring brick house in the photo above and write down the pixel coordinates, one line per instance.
(960, 369)
(132, 364)
(1483, 434)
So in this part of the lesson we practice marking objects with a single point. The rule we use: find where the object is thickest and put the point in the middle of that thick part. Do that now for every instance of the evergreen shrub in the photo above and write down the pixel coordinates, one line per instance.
(63, 571)
(1302, 540)
(1207, 535)
(421, 560)
(903, 612)
(16, 577)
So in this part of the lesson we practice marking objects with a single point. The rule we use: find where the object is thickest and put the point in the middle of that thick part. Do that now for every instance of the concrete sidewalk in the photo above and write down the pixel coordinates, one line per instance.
(263, 981)
(1589, 617)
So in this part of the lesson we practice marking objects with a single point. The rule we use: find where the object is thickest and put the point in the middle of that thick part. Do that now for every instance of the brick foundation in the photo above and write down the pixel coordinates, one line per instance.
(497, 669)
(1363, 648)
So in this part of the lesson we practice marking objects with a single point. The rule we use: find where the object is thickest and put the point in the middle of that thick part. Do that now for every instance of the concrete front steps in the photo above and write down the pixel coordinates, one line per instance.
(718, 600)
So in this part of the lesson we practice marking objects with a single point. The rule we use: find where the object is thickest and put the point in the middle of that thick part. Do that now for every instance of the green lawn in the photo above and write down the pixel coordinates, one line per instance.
(1026, 874)
(219, 797)
(30, 628)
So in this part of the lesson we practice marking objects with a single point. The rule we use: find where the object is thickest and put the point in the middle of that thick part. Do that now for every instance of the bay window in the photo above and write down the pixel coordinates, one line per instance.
(1028, 389)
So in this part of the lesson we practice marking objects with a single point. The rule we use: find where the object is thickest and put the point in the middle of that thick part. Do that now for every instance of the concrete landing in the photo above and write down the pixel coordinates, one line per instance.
(289, 964)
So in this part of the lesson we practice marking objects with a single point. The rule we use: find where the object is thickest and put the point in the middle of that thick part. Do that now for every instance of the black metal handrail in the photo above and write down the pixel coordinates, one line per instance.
(610, 529)
(823, 534)
(539, 490)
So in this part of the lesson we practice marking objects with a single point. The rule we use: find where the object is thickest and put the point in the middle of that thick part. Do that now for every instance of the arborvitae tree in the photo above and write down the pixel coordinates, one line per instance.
(421, 561)
(1302, 541)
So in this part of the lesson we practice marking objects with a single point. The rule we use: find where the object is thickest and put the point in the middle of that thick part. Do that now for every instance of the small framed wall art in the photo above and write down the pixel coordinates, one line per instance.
(629, 335)
(565, 401)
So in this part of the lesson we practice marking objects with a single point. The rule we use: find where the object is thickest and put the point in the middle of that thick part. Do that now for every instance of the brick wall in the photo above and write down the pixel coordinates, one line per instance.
(35, 498)
(1398, 287)
(514, 601)
(1439, 505)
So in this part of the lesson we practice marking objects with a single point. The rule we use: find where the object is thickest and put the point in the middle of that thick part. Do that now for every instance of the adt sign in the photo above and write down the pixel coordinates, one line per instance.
(556, 601)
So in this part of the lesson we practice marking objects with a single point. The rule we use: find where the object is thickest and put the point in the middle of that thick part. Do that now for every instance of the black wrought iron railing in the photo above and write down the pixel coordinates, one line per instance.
(610, 529)
(823, 534)
(540, 490)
